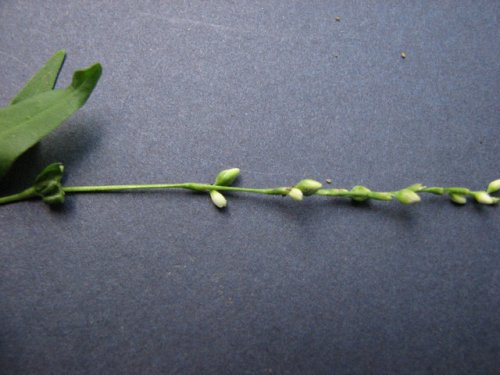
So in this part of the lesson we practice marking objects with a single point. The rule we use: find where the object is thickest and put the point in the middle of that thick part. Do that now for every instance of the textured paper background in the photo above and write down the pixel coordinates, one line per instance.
(162, 282)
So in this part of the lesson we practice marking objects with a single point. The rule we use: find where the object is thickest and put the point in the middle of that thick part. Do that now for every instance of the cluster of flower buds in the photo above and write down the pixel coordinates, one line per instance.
(48, 184)
(459, 195)
(408, 195)
(484, 197)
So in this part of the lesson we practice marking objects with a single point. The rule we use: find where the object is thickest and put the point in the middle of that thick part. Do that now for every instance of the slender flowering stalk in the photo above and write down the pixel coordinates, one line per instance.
(49, 188)
(26, 124)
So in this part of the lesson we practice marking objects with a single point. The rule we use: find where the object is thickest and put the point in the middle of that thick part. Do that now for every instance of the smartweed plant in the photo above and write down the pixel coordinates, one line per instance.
(38, 109)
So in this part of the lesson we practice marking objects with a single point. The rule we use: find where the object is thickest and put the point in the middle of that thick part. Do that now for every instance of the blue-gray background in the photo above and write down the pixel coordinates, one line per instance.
(163, 282)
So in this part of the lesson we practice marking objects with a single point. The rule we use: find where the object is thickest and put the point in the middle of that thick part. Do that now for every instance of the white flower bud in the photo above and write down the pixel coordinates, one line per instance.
(295, 194)
(458, 198)
(406, 196)
(308, 186)
(227, 177)
(483, 197)
(494, 186)
(218, 199)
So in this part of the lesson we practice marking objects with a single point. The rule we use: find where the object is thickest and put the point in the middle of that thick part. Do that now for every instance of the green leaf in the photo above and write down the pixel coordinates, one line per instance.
(24, 124)
(43, 80)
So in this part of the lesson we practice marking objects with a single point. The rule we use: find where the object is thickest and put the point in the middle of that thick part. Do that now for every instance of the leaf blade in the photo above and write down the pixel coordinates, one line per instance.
(43, 80)
(24, 124)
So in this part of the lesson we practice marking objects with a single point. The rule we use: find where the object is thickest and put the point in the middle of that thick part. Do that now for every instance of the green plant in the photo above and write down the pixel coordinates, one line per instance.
(48, 187)
(38, 109)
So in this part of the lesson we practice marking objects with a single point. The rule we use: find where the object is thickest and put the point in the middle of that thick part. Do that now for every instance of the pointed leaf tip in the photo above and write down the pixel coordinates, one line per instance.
(44, 79)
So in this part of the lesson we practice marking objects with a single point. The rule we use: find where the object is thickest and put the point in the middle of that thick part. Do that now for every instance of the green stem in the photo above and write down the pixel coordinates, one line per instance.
(185, 185)
(194, 186)
(23, 195)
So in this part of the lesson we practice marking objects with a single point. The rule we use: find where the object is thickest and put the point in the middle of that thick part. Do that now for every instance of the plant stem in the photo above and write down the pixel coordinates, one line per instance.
(201, 187)
(23, 195)
(195, 186)
(185, 185)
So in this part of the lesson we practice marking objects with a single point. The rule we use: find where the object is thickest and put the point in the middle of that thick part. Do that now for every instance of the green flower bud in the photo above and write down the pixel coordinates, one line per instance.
(483, 197)
(363, 192)
(494, 186)
(308, 186)
(48, 182)
(458, 198)
(227, 177)
(296, 194)
(407, 196)
(218, 199)
(415, 187)
(52, 172)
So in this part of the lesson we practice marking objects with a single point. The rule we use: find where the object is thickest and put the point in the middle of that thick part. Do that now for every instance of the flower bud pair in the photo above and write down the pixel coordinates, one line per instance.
(303, 188)
(224, 178)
